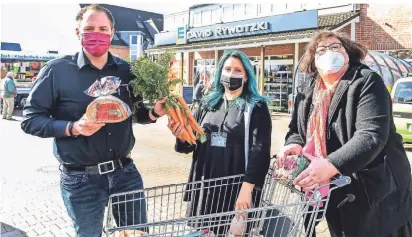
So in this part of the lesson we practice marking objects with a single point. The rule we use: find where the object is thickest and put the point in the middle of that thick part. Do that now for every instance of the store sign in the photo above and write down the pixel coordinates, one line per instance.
(181, 35)
(228, 31)
(257, 26)
(264, 25)
(22, 56)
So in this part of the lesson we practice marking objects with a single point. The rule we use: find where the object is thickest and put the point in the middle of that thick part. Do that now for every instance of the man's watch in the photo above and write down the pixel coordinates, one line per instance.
(71, 130)
(154, 113)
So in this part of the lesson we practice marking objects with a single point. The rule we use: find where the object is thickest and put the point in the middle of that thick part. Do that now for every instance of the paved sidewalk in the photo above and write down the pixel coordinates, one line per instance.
(31, 204)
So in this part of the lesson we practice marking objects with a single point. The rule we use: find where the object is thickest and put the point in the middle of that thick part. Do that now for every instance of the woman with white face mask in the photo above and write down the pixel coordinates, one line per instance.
(238, 125)
(343, 124)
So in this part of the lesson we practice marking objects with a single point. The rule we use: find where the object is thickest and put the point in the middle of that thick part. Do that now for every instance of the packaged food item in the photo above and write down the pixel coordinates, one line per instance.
(292, 167)
(132, 233)
(106, 108)
(238, 226)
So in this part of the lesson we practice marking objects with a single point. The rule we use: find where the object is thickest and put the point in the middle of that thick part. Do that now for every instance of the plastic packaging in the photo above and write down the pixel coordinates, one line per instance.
(292, 167)
(237, 226)
(132, 233)
(106, 108)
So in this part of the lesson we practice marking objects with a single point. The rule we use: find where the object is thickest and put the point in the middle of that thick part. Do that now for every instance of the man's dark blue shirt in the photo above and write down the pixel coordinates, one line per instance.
(58, 97)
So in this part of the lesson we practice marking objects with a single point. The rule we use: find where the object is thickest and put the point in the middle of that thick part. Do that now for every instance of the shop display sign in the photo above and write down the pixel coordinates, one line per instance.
(29, 57)
(222, 31)
(263, 25)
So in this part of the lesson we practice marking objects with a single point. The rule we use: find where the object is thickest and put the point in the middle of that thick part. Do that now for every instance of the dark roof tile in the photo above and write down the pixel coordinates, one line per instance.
(127, 19)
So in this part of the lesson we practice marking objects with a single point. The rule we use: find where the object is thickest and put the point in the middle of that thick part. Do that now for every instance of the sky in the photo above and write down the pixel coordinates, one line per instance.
(40, 27)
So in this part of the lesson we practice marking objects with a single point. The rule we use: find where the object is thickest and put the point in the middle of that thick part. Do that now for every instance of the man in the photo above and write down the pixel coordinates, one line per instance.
(95, 157)
(8, 93)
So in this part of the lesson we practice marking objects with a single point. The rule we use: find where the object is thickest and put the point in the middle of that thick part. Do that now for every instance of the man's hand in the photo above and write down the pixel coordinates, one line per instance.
(159, 107)
(86, 127)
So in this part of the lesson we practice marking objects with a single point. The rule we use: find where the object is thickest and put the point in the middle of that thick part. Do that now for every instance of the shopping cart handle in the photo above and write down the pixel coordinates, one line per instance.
(342, 181)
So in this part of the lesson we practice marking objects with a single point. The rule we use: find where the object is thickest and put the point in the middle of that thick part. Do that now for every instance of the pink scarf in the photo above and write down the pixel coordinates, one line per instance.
(316, 142)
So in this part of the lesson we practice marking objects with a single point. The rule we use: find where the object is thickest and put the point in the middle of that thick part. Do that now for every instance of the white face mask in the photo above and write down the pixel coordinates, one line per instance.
(330, 62)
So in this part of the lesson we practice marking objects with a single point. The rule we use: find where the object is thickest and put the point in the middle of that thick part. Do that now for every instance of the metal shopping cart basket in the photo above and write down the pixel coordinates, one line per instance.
(205, 208)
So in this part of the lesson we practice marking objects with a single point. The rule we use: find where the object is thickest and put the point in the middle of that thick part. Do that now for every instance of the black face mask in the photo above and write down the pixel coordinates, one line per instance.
(232, 82)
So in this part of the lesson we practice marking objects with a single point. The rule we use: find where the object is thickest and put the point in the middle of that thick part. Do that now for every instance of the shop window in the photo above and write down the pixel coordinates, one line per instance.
(197, 18)
(203, 68)
(135, 47)
(279, 8)
(293, 7)
(239, 11)
(133, 39)
(227, 14)
(251, 10)
(179, 21)
(216, 15)
(278, 79)
(169, 23)
(265, 9)
(206, 17)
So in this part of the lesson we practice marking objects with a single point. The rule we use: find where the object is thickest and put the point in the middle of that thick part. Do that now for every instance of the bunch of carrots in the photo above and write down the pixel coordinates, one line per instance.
(178, 111)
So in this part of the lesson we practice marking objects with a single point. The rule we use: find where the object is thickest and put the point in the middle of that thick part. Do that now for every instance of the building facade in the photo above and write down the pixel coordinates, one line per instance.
(274, 37)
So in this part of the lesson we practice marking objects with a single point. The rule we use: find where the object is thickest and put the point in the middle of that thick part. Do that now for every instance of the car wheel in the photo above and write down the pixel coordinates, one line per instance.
(23, 102)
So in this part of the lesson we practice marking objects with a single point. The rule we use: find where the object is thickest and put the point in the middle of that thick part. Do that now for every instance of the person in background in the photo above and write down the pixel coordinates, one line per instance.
(342, 121)
(238, 126)
(8, 93)
(198, 91)
(94, 157)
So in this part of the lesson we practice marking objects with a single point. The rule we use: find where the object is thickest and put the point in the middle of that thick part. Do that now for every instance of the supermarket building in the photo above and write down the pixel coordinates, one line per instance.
(274, 36)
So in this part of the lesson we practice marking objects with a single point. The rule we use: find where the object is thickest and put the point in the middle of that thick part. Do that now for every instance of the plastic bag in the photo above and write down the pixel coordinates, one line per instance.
(106, 108)
(292, 167)
(237, 226)
(132, 233)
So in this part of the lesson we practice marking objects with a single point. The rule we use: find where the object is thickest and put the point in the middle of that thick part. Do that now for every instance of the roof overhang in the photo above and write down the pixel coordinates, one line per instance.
(235, 45)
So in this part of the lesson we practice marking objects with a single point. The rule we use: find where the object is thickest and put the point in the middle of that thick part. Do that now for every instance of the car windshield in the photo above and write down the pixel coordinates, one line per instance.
(403, 93)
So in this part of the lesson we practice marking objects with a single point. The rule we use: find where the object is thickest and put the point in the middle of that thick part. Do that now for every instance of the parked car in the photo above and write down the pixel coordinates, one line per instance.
(402, 107)
(23, 87)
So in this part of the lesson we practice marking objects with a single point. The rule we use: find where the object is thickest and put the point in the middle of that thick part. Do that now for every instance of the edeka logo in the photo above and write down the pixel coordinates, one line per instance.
(228, 31)
(181, 35)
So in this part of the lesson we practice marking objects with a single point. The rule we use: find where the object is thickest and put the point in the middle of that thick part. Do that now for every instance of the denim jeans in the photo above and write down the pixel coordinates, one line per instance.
(86, 196)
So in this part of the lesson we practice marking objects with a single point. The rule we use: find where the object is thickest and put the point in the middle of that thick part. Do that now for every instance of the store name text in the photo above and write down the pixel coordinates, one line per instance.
(222, 31)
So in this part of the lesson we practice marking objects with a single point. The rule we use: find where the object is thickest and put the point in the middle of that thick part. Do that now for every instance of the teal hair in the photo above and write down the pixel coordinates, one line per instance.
(250, 94)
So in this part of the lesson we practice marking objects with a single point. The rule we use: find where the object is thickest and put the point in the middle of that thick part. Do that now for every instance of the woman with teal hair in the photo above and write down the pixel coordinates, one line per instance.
(238, 126)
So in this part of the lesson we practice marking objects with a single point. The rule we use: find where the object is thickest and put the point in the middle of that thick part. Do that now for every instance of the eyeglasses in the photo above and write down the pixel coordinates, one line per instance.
(335, 47)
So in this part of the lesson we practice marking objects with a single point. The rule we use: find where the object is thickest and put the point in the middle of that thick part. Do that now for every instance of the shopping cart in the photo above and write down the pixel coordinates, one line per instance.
(205, 208)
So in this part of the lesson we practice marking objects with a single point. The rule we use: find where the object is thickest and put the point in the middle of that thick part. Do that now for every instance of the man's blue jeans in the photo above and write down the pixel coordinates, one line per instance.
(86, 196)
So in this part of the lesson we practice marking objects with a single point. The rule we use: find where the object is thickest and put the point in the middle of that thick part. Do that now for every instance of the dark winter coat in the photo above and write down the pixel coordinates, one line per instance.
(362, 143)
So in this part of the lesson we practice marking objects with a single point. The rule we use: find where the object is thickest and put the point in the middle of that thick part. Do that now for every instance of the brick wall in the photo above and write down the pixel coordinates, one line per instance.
(280, 49)
(302, 49)
(346, 31)
(121, 52)
(385, 26)
(204, 55)
(271, 50)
